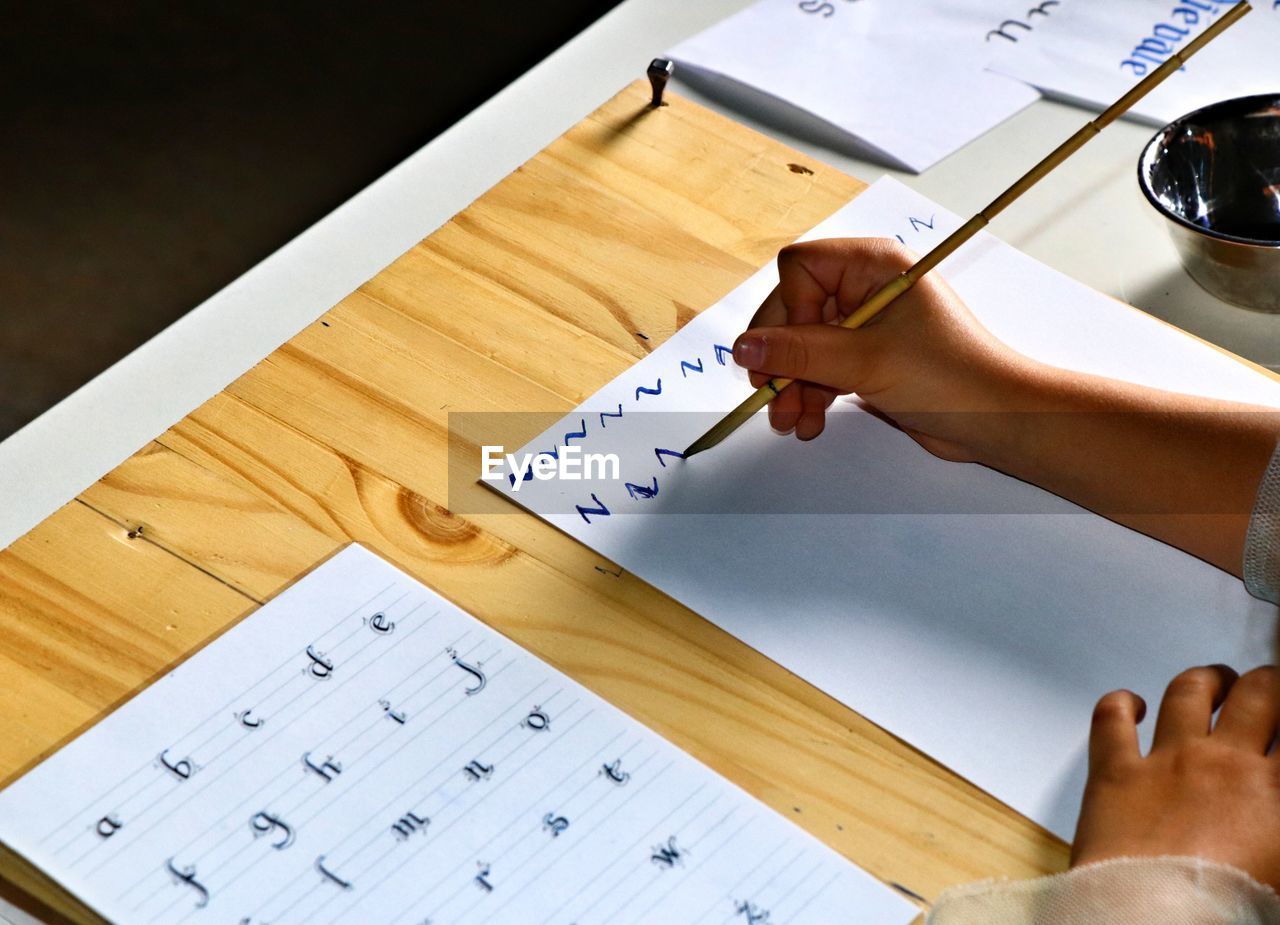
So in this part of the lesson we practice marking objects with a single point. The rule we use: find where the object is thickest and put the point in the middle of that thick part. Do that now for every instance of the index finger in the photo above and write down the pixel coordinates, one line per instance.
(1114, 732)
(771, 313)
(1186, 713)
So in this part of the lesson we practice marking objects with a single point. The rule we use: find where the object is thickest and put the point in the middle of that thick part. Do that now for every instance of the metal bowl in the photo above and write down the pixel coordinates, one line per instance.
(1215, 175)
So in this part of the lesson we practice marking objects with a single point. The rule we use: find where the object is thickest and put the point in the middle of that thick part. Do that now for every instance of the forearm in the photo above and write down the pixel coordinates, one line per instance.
(1180, 468)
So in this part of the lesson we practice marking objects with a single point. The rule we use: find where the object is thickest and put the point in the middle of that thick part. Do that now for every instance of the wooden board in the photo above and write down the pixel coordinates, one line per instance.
(552, 283)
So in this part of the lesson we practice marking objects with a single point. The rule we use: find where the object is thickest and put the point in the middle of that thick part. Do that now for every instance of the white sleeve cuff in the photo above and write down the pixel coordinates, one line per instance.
(1262, 542)
(1123, 891)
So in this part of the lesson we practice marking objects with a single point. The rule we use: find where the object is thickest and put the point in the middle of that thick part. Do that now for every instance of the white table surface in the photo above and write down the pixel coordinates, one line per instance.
(1087, 219)
(12, 916)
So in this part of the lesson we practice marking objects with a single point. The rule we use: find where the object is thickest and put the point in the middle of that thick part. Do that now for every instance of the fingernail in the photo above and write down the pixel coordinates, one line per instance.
(749, 352)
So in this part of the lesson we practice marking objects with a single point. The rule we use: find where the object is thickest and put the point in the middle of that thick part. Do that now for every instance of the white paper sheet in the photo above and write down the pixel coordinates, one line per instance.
(1091, 51)
(360, 750)
(904, 79)
(985, 638)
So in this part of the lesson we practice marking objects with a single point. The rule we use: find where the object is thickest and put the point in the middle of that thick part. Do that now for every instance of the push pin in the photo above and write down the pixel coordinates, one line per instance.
(660, 71)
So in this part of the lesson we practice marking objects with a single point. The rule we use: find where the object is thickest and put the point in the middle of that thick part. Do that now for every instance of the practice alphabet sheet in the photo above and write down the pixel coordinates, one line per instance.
(973, 615)
(361, 750)
(903, 82)
(1091, 52)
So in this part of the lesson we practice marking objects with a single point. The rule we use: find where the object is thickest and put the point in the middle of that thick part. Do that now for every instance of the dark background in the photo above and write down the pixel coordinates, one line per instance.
(152, 152)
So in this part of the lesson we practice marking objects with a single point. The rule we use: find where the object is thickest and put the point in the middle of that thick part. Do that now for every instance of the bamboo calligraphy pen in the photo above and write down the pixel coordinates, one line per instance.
(904, 281)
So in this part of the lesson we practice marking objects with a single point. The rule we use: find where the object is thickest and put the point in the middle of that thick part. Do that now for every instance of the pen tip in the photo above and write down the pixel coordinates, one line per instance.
(733, 420)
(705, 442)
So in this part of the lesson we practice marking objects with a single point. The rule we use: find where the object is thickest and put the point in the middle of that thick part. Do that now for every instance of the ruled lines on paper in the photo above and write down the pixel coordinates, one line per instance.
(362, 750)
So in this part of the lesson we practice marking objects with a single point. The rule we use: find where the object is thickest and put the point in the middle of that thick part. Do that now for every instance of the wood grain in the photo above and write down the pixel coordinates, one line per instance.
(532, 298)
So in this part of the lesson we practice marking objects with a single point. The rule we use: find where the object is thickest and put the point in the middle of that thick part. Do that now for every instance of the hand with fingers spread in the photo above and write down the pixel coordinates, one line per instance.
(1206, 789)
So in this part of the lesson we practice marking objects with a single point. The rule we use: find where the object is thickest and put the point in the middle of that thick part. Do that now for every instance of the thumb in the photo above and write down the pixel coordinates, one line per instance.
(825, 354)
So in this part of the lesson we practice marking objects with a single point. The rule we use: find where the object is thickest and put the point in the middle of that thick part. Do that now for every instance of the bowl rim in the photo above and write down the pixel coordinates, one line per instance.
(1240, 102)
